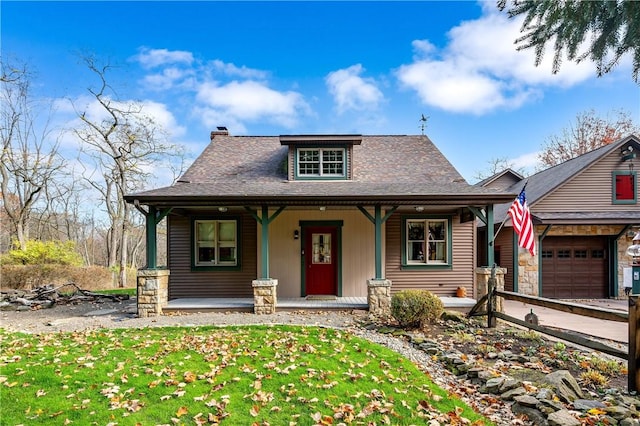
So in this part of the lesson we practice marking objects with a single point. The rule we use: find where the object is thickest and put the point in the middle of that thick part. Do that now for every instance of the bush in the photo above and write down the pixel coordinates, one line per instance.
(30, 276)
(44, 252)
(415, 308)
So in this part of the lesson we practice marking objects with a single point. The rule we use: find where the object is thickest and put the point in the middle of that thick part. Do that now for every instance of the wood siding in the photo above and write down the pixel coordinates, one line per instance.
(442, 282)
(183, 282)
(357, 249)
(504, 245)
(358, 253)
(588, 191)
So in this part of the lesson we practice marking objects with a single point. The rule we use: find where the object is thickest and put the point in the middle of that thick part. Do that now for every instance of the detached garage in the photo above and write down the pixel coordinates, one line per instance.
(585, 212)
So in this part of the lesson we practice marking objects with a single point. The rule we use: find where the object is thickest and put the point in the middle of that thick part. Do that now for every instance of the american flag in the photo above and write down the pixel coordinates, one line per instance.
(521, 218)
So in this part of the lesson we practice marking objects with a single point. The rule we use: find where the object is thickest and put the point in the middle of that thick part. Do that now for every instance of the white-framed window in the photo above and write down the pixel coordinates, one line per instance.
(428, 241)
(215, 243)
(321, 162)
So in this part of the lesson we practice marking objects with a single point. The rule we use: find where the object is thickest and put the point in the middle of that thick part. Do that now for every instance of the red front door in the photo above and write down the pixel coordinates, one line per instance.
(320, 260)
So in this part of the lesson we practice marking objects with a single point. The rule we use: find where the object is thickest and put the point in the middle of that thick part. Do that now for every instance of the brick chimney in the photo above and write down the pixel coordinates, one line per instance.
(220, 131)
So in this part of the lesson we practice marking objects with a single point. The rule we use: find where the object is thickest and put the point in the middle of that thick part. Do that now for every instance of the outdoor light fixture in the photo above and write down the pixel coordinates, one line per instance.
(419, 208)
(634, 249)
(296, 234)
(627, 153)
(222, 209)
(322, 208)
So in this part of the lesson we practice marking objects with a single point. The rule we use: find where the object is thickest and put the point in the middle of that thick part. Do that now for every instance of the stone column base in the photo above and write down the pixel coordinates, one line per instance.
(153, 291)
(482, 279)
(379, 297)
(264, 296)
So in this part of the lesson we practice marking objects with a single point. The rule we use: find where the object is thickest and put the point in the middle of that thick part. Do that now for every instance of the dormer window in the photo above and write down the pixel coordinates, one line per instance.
(324, 162)
(320, 157)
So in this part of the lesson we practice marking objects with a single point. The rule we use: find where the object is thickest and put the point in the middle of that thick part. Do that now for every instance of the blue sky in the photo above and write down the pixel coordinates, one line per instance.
(271, 68)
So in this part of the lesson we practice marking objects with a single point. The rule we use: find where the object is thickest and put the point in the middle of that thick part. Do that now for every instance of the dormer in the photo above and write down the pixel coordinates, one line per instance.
(320, 157)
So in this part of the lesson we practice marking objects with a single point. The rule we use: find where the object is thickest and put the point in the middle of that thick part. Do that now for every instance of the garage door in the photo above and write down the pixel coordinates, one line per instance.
(574, 267)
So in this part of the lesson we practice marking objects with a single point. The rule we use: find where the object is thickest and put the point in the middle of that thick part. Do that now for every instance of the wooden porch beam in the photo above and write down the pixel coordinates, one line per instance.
(377, 221)
(265, 220)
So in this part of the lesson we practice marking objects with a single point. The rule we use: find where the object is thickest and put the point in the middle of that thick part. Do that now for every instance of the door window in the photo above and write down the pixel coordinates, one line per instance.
(321, 244)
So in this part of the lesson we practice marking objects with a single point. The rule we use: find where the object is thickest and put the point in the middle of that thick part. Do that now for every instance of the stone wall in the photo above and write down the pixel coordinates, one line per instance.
(153, 291)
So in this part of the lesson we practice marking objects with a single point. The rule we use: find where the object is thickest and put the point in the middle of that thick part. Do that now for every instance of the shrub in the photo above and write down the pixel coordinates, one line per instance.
(415, 308)
(44, 252)
(30, 276)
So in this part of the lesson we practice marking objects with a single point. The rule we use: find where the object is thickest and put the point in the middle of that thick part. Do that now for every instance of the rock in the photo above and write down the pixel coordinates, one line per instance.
(618, 412)
(527, 401)
(493, 385)
(562, 418)
(535, 416)
(545, 393)
(566, 386)
(512, 393)
(548, 406)
(587, 404)
(508, 384)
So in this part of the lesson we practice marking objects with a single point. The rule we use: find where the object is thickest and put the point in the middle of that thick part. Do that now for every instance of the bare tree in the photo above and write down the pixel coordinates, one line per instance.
(497, 165)
(121, 144)
(29, 161)
(587, 133)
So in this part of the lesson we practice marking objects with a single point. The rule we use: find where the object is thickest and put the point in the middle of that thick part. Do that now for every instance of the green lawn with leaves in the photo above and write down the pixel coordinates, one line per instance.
(249, 375)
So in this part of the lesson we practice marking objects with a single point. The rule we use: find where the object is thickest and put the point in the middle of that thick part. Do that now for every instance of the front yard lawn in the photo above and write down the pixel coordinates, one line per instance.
(249, 375)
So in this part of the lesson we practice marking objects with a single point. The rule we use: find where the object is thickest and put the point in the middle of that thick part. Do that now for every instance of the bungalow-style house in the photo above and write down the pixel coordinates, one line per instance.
(314, 215)
(585, 212)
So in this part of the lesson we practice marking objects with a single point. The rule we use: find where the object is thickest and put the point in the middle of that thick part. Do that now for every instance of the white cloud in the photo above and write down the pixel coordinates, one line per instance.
(151, 58)
(351, 91)
(168, 78)
(480, 70)
(234, 71)
(165, 118)
(250, 101)
(528, 162)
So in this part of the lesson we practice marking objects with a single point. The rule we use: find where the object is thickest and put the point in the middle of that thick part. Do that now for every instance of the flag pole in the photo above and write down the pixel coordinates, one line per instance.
(500, 227)
(507, 215)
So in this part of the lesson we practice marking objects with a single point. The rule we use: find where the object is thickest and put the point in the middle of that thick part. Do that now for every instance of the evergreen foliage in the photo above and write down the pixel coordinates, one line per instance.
(611, 27)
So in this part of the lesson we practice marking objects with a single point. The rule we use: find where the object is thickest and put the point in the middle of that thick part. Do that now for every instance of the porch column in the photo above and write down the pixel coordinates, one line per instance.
(152, 239)
(152, 216)
(491, 247)
(377, 221)
(264, 296)
(153, 291)
(379, 297)
(264, 220)
(378, 288)
(482, 278)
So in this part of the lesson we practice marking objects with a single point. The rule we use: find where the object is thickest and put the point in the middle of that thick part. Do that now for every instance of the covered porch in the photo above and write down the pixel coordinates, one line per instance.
(463, 304)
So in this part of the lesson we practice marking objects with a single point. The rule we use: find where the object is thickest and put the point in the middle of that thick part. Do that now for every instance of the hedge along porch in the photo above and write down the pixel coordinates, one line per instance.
(277, 221)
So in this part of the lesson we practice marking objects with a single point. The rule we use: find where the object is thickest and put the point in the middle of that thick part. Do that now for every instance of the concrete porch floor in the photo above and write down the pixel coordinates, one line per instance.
(192, 304)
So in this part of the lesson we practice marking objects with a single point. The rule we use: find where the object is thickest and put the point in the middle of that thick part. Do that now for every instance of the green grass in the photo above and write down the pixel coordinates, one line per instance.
(278, 375)
(129, 291)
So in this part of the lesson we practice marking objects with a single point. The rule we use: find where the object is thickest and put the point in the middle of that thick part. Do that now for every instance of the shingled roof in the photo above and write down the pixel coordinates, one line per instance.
(253, 169)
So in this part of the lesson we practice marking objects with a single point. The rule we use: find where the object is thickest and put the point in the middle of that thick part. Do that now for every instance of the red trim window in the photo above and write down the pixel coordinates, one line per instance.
(624, 190)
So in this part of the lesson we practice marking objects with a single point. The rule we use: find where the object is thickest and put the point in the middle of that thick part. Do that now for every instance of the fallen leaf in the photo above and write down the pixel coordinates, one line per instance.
(181, 411)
